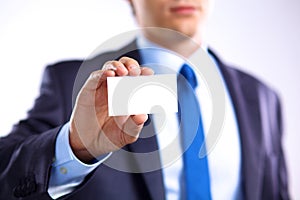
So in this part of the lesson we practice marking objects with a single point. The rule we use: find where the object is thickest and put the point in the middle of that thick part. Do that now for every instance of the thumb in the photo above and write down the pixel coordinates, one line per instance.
(134, 124)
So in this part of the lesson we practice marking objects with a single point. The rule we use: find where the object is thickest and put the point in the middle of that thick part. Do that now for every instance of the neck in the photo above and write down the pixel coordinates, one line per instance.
(174, 41)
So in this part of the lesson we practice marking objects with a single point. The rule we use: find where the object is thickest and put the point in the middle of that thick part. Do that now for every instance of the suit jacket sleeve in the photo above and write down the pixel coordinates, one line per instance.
(283, 176)
(275, 173)
(28, 151)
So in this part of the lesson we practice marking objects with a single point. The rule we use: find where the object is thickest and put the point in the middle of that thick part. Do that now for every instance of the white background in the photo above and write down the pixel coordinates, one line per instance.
(259, 36)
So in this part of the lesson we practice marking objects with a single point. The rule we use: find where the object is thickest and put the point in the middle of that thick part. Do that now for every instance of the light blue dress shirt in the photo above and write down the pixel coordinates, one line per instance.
(224, 162)
(67, 171)
(225, 159)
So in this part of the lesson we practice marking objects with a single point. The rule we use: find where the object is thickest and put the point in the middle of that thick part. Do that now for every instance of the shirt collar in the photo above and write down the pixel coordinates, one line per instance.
(160, 59)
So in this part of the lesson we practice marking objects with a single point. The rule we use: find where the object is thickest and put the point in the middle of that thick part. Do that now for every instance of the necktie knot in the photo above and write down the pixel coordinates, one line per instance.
(188, 73)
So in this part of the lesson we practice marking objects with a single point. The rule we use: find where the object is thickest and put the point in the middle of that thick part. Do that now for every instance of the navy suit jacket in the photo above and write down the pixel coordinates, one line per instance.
(27, 153)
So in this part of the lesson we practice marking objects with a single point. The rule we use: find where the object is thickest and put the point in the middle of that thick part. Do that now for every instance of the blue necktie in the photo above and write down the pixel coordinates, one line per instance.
(196, 169)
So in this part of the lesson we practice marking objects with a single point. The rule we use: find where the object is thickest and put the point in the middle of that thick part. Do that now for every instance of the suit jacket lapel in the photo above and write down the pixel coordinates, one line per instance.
(245, 99)
(151, 166)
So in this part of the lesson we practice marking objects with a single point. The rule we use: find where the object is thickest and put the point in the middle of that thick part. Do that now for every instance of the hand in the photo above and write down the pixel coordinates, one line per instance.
(92, 131)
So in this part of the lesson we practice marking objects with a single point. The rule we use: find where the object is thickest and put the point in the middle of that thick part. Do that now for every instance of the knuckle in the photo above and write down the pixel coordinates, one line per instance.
(94, 74)
(115, 62)
(127, 60)
(130, 139)
(112, 64)
(125, 139)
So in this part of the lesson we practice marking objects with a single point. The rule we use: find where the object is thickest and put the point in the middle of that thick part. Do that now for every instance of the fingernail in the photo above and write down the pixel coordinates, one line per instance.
(110, 67)
(133, 67)
(134, 71)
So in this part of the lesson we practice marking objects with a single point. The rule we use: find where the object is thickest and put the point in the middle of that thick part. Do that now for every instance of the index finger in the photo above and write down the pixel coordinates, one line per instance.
(132, 66)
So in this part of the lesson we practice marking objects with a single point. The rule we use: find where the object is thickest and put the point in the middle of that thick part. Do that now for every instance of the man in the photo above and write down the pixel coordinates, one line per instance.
(53, 151)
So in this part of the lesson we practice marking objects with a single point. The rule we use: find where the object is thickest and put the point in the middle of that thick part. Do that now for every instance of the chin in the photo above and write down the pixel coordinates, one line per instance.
(186, 28)
(190, 32)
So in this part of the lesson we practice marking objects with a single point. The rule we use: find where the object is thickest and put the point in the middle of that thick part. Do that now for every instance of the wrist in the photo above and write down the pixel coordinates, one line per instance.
(78, 148)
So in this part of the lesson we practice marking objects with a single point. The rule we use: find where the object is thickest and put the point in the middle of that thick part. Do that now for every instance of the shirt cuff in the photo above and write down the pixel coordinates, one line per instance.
(67, 168)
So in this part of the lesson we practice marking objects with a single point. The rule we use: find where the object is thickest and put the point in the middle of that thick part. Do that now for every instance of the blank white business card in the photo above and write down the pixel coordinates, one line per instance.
(130, 95)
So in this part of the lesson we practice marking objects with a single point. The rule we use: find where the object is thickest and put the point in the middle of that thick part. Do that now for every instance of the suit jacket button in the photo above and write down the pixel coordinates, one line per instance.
(31, 186)
(25, 188)
(17, 191)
